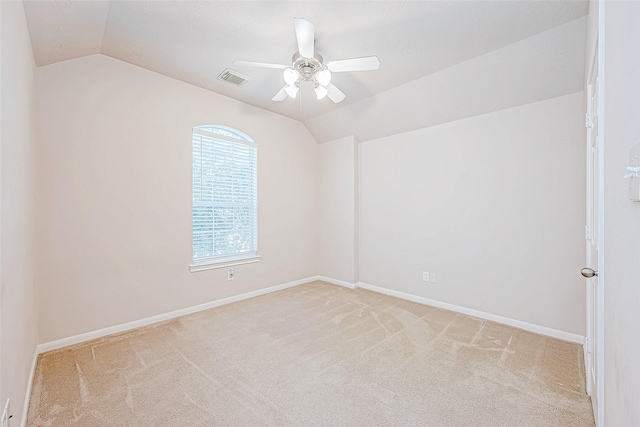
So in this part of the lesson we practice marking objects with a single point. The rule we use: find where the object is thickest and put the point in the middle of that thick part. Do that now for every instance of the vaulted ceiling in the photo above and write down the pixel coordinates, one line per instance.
(195, 41)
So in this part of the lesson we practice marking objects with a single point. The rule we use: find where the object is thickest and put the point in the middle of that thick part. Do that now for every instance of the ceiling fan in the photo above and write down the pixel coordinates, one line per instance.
(308, 66)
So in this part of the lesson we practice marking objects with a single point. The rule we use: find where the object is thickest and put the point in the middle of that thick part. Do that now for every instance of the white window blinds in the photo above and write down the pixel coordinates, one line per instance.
(225, 194)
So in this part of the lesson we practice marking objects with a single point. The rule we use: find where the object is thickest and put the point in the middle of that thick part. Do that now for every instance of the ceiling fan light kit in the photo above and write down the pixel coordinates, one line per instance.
(307, 70)
(291, 76)
(321, 91)
(292, 90)
(308, 66)
(323, 77)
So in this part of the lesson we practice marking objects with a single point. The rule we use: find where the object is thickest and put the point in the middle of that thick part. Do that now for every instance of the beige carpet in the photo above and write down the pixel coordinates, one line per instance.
(315, 355)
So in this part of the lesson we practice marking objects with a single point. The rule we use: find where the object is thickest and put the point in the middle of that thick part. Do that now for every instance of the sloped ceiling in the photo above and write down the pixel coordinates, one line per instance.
(543, 66)
(196, 41)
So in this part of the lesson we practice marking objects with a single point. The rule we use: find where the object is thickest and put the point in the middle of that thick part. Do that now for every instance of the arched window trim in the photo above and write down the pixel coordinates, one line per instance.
(223, 134)
(235, 134)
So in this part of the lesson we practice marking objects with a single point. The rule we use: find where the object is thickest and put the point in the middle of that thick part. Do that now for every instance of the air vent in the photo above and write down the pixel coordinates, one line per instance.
(234, 77)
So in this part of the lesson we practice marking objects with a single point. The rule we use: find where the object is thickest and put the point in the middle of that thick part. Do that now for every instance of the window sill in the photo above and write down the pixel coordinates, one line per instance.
(224, 262)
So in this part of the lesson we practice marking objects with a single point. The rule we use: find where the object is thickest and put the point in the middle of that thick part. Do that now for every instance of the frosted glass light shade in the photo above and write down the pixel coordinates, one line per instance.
(321, 92)
(291, 76)
(323, 77)
(292, 90)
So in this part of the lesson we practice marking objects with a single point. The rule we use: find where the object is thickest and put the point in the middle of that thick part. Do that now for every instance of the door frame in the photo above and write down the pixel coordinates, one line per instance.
(596, 338)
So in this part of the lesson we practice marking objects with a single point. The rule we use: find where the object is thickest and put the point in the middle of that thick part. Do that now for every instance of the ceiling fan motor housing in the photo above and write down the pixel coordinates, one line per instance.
(308, 67)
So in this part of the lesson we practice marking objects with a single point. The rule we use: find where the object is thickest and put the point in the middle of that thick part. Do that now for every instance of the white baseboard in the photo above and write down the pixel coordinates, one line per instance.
(584, 360)
(27, 396)
(338, 282)
(76, 339)
(542, 330)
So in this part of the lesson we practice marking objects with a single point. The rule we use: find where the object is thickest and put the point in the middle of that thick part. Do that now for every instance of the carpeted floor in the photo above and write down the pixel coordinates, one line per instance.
(315, 355)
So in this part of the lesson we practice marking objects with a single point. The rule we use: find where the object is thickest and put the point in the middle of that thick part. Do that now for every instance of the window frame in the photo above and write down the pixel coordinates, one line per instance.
(223, 261)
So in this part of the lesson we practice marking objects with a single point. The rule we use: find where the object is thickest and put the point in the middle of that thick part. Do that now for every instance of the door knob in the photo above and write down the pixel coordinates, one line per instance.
(588, 272)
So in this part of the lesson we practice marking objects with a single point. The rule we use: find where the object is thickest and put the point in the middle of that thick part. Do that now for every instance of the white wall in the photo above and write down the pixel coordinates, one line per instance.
(592, 38)
(18, 308)
(493, 204)
(338, 238)
(114, 196)
(621, 267)
(546, 65)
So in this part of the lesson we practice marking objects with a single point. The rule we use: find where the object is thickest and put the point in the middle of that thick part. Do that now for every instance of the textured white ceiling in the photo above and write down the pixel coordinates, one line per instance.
(543, 66)
(195, 41)
(62, 30)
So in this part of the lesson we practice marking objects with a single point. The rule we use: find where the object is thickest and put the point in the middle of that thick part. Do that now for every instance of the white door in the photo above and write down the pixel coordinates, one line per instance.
(592, 233)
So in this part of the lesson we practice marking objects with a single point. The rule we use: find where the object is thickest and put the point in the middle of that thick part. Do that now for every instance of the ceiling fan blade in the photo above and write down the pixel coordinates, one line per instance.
(259, 64)
(280, 96)
(335, 94)
(305, 32)
(368, 63)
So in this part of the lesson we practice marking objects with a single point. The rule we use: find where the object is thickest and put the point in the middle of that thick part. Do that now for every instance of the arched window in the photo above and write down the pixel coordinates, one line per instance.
(225, 197)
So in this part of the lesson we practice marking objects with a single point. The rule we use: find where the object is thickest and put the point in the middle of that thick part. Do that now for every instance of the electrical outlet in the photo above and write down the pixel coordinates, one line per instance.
(434, 278)
(425, 276)
(231, 274)
(5, 415)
